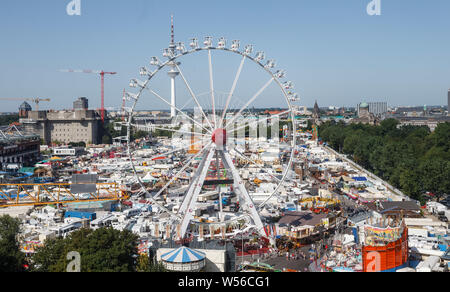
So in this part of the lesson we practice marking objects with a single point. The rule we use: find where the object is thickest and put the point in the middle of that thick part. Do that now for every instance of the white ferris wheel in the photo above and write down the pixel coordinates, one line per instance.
(222, 152)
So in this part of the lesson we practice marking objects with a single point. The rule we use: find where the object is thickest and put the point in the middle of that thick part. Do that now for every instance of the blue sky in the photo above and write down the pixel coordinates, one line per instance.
(332, 50)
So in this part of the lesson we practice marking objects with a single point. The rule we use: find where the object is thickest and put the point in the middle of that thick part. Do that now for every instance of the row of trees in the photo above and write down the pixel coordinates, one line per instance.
(102, 250)
(6, 120)
(411, 158)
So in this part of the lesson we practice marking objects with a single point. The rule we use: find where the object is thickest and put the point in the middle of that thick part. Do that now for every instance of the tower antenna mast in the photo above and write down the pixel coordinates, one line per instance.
(173, 73)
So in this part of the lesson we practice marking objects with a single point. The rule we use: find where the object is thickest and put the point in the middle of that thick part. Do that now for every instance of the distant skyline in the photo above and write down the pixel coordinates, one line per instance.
(333, 51)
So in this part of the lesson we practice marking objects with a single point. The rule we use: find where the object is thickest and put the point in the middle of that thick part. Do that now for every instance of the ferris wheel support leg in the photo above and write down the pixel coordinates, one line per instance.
(239, 184)
(187, 197)
(188, 206)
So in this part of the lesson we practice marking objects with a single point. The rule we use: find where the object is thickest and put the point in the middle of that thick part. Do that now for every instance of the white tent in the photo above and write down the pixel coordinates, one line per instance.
(149, 178)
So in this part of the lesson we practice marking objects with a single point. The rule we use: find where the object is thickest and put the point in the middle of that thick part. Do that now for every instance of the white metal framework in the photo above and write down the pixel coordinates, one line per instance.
(214, 131)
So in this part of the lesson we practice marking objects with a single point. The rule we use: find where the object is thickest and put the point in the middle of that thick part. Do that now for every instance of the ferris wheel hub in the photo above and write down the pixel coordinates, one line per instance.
(219, 137)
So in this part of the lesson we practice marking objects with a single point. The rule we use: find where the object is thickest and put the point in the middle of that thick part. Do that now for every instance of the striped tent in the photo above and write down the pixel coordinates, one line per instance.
(183, 255)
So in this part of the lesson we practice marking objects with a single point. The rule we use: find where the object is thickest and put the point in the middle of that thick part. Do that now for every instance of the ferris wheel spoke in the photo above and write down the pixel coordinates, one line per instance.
(193, 96)
(180, 111)
(187, 207)
(211, 82)
(250, 102)
(150, 127)
(239, 184)
(178, 174)
(233, 88)
(255, 163)
(177, 150)
(259, 121)
(180, 131)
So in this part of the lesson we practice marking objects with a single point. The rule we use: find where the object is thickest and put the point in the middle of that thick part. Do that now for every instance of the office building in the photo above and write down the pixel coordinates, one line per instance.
(376, 108)
(65, 126)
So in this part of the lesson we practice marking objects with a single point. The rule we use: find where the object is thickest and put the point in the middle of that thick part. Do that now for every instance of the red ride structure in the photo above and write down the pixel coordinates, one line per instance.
(389, 257)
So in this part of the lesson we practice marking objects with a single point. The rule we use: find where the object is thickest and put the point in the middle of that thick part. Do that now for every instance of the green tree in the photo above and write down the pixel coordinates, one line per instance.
(6, 120)
(436, 176)
(145, 265)
(388, 126)
(140, 134)
(47, 257)
(411, 158)
(107, 140)
(102, 250)
(11, 258)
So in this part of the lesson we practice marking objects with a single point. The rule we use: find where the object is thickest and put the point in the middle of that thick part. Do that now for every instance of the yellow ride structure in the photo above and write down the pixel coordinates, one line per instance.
(13, 195)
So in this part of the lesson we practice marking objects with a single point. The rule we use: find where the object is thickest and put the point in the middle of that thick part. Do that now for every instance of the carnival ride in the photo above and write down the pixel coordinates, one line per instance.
(218, 137)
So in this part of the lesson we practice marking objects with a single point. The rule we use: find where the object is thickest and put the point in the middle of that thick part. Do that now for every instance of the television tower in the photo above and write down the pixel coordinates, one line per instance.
(173, 73)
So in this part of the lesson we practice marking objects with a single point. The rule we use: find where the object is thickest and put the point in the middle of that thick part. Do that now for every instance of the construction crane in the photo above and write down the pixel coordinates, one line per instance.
(35, 100)
(102, 75)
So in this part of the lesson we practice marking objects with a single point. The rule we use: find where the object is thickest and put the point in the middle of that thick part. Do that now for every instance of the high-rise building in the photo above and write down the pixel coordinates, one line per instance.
(77, 125)
(376, 108)
(448, 102)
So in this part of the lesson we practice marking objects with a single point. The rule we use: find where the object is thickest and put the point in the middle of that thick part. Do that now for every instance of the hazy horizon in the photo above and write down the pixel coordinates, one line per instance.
(333, 51)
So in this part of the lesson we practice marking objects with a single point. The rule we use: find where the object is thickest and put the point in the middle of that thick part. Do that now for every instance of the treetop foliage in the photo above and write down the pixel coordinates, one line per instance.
(411, 158)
